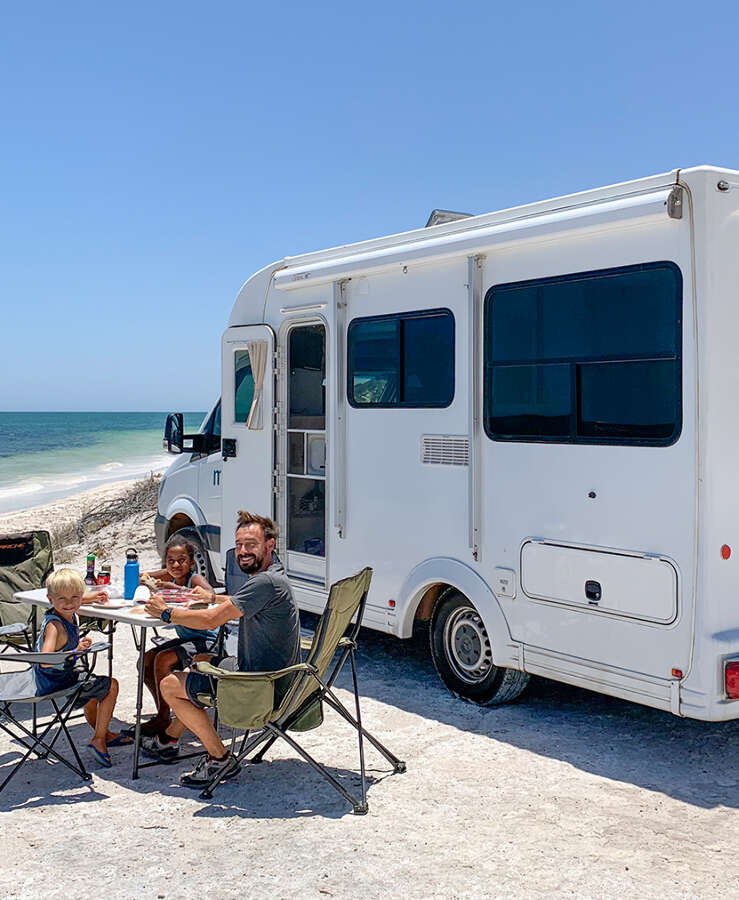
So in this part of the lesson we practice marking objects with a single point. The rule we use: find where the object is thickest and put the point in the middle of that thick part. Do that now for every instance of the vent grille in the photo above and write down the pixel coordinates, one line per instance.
(445, 450)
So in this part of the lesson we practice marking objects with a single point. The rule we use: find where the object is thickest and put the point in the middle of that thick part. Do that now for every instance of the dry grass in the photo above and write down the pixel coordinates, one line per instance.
(139, 503)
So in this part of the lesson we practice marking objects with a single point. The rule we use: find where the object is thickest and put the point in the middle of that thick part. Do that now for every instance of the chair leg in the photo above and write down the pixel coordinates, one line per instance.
(359, 730)
(255, 760)
(359, 808)
(335, 704)
(63, 724)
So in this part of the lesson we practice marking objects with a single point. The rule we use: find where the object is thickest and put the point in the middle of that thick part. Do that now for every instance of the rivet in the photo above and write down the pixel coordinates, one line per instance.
(723, 185)
(591, 494)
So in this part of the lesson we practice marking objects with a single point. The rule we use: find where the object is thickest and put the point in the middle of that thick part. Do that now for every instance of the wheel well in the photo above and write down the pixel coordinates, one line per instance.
(425, 608)
(178, 521)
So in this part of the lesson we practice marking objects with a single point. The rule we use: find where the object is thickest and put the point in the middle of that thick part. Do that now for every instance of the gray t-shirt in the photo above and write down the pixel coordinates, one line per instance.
(269, 630)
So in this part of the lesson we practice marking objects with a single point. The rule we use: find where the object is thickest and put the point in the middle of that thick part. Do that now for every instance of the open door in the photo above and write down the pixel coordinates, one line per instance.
(247, 444)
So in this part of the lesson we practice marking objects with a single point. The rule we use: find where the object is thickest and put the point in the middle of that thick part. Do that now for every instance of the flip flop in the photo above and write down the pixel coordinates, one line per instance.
(123, 740)
(103, 758)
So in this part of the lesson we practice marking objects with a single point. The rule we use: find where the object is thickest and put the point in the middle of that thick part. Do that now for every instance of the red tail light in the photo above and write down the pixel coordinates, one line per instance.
(731, 675)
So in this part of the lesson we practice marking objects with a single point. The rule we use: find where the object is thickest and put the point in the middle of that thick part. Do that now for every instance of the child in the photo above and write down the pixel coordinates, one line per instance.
(178, 571)
(60, 631)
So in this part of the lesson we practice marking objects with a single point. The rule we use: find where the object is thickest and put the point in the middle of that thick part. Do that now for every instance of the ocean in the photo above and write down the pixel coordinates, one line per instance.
(46, 456)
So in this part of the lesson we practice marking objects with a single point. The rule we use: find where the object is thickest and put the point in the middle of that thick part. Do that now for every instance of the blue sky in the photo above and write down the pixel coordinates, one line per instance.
(154, 155)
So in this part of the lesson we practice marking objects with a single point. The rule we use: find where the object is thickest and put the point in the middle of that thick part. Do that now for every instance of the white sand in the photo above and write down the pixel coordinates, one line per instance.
(563, 794)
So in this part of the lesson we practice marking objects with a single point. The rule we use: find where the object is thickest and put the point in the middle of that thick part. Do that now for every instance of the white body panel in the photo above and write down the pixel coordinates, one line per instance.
(425, 497)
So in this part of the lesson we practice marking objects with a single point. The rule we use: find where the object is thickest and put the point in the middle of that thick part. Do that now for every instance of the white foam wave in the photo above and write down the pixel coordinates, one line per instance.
(110, 467)
(18, 490)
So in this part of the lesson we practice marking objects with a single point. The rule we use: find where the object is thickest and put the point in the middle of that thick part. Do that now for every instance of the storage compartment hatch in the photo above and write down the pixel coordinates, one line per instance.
(624, 584)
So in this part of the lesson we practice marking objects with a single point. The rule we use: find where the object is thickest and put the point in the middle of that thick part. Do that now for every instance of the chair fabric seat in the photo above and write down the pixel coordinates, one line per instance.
(20, 687)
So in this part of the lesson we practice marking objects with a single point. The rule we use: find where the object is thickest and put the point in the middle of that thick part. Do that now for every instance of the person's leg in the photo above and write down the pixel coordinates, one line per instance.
(175, 729)
(196, 720)
(158, 663)
(99, 714)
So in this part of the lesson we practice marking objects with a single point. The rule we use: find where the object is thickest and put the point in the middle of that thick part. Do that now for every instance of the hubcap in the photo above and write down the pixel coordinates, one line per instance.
(467, 645)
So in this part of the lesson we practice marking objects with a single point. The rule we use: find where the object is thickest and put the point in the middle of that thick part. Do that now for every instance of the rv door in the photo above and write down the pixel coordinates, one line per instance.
(247, 446)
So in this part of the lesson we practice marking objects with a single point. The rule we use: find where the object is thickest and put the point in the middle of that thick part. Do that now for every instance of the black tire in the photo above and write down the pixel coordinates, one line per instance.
(463, 656)
(202, 560)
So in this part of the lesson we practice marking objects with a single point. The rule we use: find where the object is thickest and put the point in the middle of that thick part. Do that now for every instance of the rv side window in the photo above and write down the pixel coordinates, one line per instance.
(401, 360)
(243, 385)
(588, 358)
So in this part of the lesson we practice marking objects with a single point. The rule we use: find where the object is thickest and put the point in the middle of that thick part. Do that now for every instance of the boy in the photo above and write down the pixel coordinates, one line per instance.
(60, 631)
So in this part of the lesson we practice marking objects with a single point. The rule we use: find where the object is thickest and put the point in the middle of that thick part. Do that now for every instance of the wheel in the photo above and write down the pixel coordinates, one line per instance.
(463, 656)
(202, 561)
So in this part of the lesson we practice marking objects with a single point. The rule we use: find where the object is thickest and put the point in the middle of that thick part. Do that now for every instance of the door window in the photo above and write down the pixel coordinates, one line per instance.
(243, 386)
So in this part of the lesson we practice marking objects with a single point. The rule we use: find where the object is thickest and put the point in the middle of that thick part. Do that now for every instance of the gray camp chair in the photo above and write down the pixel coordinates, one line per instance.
(26, 559)
(19, 687)
(246, 700)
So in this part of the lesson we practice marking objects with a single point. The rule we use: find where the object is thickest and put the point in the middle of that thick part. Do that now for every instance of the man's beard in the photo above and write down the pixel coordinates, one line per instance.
(254, 564)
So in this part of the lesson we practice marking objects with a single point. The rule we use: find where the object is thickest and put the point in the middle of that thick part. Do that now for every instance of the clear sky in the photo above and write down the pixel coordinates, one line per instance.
(154, 155)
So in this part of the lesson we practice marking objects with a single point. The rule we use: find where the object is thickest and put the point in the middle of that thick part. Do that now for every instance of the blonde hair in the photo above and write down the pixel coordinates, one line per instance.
(64, 580)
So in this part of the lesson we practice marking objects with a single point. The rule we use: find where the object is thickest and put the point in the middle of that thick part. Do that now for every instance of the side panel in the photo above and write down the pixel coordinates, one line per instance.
(247, 431)
(639, 500)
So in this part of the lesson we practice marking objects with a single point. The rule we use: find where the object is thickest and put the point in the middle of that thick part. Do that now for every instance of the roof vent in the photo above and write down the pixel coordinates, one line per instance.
(442, 216)
(445, 450)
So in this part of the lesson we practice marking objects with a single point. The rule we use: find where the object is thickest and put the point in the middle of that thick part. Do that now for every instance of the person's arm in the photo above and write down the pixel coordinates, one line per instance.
(202, 619)
(158, 575)
(199, 581)
(52, 637)
(206, 594)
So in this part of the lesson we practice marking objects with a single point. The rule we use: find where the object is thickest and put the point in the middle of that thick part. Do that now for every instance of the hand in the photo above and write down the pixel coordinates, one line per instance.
(85, 643)
(201, 594)
(96, 597)
(156, 606)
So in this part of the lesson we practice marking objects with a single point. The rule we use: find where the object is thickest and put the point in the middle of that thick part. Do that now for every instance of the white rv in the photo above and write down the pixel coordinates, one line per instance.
(526, 422)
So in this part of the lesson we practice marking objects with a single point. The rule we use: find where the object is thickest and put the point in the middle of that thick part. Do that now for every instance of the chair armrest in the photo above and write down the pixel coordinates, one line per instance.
(32, 657)
(205, 668)
(15, 628)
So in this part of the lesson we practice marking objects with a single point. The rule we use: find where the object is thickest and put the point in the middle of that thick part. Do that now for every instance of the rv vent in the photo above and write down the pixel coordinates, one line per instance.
(445, 450)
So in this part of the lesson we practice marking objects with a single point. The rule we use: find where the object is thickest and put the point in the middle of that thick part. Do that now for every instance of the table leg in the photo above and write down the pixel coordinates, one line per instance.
(139, 704)
(111, 632)
(34, 635)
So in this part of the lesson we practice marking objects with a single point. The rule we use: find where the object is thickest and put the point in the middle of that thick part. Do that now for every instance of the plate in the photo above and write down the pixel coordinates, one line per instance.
(111, 604)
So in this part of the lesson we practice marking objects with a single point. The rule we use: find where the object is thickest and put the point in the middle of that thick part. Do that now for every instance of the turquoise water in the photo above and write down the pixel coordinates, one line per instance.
(46, 456)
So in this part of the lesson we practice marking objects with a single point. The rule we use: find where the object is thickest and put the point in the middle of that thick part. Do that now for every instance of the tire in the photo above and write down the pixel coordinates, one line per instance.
(202, 560)
(463, 656)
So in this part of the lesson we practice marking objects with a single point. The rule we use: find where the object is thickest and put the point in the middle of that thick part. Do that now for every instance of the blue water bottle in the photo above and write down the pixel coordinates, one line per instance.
(130, 574)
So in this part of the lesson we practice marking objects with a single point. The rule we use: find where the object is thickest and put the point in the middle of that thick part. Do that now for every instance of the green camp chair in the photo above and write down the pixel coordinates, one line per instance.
(246, 700)
(26, 560)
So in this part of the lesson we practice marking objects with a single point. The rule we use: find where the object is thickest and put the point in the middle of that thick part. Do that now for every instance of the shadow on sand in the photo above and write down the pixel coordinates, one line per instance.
(688, 760)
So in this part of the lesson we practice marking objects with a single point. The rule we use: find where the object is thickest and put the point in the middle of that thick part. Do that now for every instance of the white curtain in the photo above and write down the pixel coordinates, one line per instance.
(258, 356)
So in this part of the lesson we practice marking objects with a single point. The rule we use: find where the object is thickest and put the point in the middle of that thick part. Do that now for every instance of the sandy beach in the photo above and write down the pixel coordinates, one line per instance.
(564, 793)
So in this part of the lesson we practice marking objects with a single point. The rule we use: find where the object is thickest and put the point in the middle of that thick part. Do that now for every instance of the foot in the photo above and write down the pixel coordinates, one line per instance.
(207, 769)
(160, 746)
(118, 740)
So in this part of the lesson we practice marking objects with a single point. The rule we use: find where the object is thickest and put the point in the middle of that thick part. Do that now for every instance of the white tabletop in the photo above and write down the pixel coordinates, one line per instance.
(122, 614)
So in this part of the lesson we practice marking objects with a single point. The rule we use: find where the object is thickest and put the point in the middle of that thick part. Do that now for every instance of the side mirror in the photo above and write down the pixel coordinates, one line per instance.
(173, 433)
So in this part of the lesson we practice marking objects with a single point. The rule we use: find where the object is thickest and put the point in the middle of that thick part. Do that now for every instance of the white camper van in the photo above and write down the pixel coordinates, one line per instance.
(526, 422)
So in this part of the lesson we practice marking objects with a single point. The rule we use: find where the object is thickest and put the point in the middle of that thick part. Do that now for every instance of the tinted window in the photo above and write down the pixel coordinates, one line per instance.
(402, 360)
(243, 385)
(307, 389)
(590, 358)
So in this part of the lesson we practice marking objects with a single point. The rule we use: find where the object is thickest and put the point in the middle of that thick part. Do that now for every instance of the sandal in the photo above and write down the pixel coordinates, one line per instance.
(103, 758)
(123, 740)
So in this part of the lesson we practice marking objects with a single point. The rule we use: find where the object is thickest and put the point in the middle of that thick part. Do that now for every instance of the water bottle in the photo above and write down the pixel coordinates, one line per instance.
(130, 574)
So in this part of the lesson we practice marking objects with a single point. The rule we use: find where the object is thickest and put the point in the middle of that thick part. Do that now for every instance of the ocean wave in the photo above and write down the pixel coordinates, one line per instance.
(17, 490)
(109, 467)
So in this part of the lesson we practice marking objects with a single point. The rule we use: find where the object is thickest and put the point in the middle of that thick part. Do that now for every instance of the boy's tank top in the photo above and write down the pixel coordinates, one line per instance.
(57, 677)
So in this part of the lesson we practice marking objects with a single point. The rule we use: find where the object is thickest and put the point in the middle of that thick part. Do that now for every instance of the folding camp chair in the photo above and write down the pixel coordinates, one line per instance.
(19, 687)
(247, 699)
(26, 559)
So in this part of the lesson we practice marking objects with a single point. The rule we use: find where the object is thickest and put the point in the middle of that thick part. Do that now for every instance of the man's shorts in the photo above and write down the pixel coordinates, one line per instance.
(96, 688)
(197, 683)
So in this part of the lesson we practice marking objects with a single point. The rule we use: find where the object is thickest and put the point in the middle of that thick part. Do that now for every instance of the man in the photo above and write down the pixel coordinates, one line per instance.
(269, 639)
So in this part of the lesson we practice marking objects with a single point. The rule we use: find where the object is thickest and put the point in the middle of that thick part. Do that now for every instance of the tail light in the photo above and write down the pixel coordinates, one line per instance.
(731, 677)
